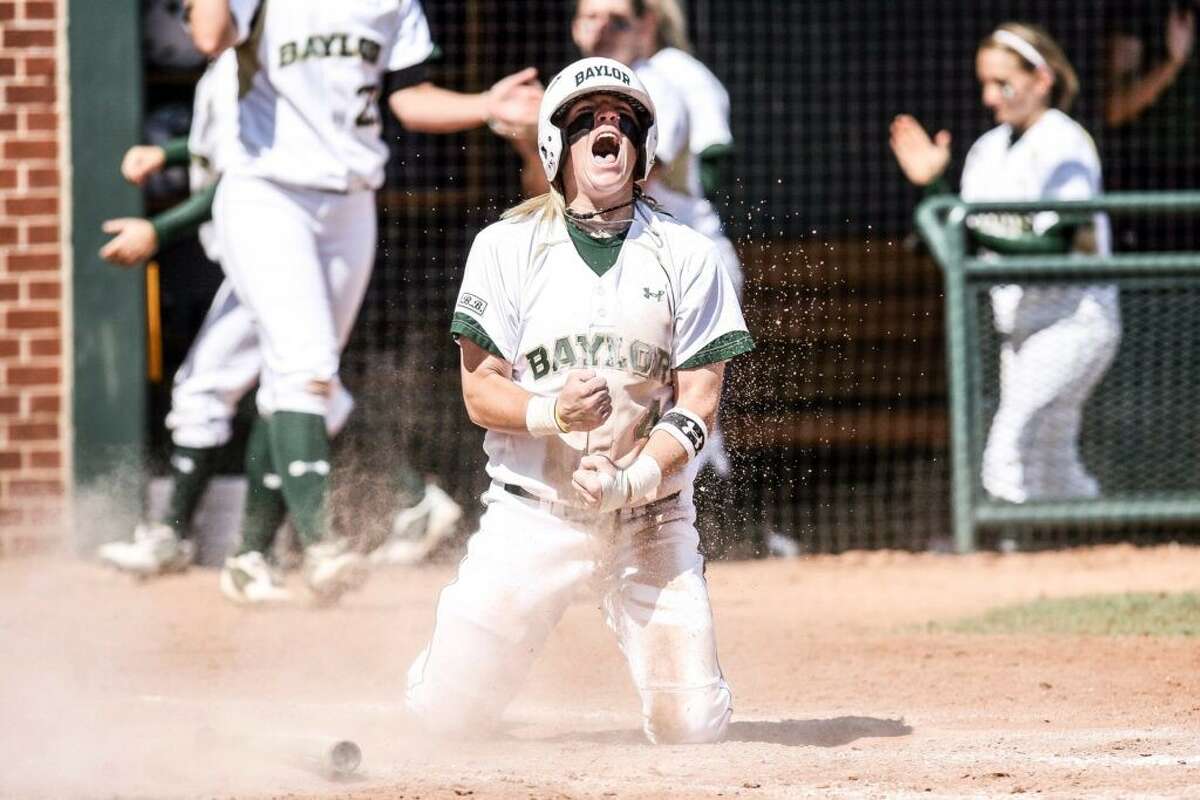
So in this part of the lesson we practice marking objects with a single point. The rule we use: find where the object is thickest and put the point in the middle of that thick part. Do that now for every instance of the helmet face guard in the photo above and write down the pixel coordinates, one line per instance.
(586, 77)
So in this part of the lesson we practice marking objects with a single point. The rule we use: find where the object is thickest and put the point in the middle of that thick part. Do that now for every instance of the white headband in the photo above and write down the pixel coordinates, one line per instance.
(1027, 51)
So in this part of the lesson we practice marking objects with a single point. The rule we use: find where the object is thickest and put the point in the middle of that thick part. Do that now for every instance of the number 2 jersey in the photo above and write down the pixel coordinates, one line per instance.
(311, 74)
(666, 304)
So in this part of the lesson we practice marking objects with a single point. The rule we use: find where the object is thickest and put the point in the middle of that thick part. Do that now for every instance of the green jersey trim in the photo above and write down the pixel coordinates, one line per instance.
(723, 348)
(1055, 239)
(469, 328)
(599, 254)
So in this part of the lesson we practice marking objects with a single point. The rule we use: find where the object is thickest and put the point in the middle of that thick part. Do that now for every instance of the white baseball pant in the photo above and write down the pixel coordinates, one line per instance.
(1061, 343)
(525, 566)
(300, 260)
(221, 366)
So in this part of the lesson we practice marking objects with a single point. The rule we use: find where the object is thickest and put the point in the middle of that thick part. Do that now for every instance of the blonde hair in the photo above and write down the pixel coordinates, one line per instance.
(672, 24)
(1066, 81)
(549, 206)
(552, 205)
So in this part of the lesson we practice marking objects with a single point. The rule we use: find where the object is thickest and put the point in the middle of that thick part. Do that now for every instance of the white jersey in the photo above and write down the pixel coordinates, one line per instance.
(701, 91)
(311, 74)
(213, 138)
(677, 185)
(666, 304)
(1055, 159)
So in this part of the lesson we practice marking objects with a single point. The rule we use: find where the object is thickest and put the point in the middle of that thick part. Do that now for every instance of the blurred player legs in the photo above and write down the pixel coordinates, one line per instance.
(1046, 378)
(313, 268)
(418, 530)
(221, 366)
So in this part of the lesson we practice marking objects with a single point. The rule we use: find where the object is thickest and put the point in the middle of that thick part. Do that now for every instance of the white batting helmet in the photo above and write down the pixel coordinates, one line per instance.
(590, 76)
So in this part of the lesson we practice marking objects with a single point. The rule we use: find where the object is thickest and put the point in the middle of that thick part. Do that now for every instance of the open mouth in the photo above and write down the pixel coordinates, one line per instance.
(606, 147)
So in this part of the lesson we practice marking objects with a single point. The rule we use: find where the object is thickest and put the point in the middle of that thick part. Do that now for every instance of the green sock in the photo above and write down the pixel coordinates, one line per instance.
(300, 449)
(410, 485)
(191, 470)
(265, 508)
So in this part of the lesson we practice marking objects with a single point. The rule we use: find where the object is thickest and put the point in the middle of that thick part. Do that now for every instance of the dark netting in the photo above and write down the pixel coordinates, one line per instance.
(1134, 438)
(838, 422)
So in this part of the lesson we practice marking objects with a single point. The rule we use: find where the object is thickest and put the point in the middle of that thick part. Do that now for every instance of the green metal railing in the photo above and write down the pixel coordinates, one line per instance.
(942, 223)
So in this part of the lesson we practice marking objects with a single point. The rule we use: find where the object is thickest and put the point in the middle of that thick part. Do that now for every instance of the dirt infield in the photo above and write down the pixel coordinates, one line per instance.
(109, 688)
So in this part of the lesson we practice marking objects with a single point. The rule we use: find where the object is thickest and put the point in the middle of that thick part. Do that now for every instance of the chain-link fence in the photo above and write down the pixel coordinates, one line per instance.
(838, 422)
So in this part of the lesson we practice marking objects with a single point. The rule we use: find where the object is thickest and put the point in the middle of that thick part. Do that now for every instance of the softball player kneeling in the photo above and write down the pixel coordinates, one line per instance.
(594, 332)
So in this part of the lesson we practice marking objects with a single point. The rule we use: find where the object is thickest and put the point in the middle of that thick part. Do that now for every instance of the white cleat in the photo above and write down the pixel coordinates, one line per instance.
(249, 580)
(331, 569)
(419, 530)
(156, 549)
(780, 546)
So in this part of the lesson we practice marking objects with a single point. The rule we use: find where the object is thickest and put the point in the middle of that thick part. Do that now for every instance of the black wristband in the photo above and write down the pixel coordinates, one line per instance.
(686, 428)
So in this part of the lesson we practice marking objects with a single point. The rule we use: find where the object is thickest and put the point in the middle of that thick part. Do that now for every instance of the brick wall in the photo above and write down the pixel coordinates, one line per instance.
(33, 276)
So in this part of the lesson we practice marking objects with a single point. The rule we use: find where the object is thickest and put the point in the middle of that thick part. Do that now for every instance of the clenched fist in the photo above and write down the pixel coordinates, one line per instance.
(584, 402)
(141, 161)
(602, 487)
(598, 483)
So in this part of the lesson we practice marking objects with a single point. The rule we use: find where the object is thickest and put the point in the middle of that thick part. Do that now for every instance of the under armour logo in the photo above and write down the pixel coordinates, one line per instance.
(689, 428)
(298, 469)
(653, 295)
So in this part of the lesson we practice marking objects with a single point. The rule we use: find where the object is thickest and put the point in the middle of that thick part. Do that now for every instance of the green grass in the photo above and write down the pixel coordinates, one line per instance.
(1154, 614)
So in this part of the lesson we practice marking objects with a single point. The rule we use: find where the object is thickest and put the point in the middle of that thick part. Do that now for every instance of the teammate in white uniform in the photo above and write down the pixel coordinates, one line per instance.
(223, 362)
(221, 366)
(1057, 341)
(693, 121)
(295, 211)
(594, 332)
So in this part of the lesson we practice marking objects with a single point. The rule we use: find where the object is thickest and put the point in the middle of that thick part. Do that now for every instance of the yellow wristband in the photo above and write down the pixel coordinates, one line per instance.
(562, 426)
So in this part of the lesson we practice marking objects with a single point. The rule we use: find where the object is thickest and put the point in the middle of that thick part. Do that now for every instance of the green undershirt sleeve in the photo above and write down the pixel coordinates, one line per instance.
(938, 186)
(714, 169)
(185, 218)
(176, 152)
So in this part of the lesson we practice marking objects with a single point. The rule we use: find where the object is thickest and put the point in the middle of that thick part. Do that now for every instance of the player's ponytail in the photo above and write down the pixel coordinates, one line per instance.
(1034, 43)
(548, 206)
